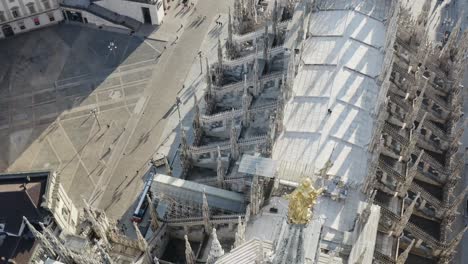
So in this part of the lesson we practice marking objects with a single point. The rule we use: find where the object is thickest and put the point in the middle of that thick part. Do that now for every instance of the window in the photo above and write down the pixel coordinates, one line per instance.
(46, 4)
(65, 212)
(51, 17)
(31, 8)
(21, 25)
(15, 12)
(2, 17)
(36, 21)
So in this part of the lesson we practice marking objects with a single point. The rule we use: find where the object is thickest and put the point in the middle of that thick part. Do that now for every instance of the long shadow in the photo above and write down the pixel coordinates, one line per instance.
(50, 81)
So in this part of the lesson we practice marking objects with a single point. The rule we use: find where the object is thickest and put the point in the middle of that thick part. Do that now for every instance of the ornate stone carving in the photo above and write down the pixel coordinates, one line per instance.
(216, 250)
(301, 201)
(189, 256)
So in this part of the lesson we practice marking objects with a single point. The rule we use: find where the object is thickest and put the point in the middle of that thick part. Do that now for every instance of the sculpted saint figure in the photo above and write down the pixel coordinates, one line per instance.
(301, 200)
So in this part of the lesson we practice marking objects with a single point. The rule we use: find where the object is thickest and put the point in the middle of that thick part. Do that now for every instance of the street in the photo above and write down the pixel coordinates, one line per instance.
(130, 160)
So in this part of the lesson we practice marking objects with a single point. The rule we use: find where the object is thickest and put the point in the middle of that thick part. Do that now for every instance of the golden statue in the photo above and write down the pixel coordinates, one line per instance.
(301, 200)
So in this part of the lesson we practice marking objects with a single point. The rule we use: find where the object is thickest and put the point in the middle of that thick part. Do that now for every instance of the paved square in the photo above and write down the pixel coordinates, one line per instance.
(50, 80)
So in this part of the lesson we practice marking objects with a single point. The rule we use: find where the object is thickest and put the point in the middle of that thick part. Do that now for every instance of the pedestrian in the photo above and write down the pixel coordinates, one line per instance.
(181, 26)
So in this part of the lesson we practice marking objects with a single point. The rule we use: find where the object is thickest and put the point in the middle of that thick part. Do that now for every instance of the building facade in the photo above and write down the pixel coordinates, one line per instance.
(145, 11)
(18, 16)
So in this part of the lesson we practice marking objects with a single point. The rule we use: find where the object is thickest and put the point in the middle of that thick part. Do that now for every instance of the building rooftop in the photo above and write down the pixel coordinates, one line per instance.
(246, 253)
(330, 116)
(192, 191)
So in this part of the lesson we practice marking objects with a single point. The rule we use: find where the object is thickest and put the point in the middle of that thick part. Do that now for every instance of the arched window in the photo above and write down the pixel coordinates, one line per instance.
(2, 16)
(46, 4)
(15, 12)
(31, 8)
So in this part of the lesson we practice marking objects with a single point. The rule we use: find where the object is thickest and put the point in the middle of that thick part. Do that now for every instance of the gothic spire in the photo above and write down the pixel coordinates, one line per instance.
(219, 67)
(58, 247)
(205, 211)
(229, 39)
(233, 140)
(220, 53)
(246, 100)
(300, 33)
(414, 134)
(45, 243)
(208, 90)
(216, 250)
(220, 172)
(450, 250)
(255, 197)
(184, 148)
(266, 45)
(452, 40)
(400, 225)
(142, 243)
(275, 21)
(411, 116)
(238, 13)
(196, 110)
(403, 188)
(208, 75)
(452, 209)
(106, 259)
(96, 225)
(256, 74)
(404, 255)
(240, 233)
(153, 213)
(189, 256)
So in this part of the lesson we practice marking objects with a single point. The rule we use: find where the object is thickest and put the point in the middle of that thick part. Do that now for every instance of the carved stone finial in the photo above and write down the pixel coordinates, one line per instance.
(404, 255)
(196, 109)
(189, 256)
(400, 225)
(216, 250)
(240, 233)
(154, 215)
(220, 171)
(205, 211)
(142, 243)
